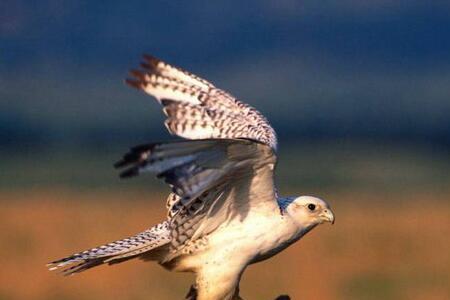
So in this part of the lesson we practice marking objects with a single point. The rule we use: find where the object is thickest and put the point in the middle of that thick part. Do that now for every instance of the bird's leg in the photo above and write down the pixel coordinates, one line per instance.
(192, 294)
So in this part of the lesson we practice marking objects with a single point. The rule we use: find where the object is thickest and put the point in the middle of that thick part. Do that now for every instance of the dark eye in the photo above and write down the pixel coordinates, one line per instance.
(311, 207)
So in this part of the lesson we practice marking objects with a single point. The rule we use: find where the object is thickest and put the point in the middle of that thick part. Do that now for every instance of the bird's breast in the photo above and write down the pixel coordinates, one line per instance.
(257, 237)
(242, 242)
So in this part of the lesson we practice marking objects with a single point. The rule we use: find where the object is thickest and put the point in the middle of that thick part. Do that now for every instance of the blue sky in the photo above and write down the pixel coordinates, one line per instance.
(356, 69)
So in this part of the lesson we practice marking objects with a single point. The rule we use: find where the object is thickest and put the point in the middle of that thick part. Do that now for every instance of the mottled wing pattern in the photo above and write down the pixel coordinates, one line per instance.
(196, 109)
(202, 174)
(215, 175)
(115, 252)
(225, 170)
(161, 68)
(187, 221)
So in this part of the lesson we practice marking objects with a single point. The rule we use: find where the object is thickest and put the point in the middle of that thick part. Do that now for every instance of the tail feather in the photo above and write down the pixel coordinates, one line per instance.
(115, 252)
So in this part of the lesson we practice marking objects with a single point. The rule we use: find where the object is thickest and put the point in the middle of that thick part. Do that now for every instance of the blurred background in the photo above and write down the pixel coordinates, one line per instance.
(358, 91)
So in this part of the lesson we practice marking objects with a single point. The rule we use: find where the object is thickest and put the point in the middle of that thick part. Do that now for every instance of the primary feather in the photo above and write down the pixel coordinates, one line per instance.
(198, 110)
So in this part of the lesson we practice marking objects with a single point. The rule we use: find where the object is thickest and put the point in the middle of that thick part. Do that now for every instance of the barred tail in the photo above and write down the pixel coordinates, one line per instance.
(143, 244)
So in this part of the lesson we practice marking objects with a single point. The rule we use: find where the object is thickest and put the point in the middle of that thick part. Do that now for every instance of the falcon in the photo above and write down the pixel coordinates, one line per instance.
(224, 212)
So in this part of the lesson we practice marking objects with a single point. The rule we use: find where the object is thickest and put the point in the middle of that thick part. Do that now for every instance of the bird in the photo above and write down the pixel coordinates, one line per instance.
(224, 212)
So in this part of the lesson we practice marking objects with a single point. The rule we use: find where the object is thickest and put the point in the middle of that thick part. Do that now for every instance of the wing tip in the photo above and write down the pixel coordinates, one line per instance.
(134, 83)
(138, 74)
(131, 172)
(146, 66)
(136, 154)
(119, 164)
(152, 60)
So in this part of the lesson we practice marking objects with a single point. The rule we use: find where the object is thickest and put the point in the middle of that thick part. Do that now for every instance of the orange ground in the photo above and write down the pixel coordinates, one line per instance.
(374, 251)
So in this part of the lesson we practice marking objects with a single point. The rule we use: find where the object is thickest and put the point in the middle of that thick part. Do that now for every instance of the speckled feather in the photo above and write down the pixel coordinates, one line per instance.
(114, 252)
(198, 110)
(199, 173)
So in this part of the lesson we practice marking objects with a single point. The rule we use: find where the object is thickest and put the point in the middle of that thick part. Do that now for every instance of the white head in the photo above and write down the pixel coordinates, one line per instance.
(307, 211)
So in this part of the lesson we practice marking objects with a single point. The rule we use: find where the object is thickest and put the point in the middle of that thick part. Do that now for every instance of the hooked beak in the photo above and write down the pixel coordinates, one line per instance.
(327, 216)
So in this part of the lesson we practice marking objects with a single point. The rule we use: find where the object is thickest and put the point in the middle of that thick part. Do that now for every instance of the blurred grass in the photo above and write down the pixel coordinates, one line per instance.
(312, 167)
(390, 240)
(376, 250)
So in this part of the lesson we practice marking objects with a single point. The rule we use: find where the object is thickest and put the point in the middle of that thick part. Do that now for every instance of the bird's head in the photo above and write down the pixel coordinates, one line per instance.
(309, 211)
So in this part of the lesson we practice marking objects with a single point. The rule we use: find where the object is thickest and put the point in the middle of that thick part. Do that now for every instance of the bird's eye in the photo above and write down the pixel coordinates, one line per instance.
(311, 207)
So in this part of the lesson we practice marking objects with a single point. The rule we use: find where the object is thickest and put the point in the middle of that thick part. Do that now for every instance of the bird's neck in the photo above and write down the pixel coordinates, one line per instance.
(284, 202)
(295, 229)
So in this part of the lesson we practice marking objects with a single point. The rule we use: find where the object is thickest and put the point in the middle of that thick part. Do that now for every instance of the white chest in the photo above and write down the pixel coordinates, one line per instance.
(243, 241)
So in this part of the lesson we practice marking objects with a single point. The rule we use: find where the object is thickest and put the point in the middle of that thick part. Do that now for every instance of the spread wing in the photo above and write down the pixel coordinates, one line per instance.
(195, 109)
(226, 167)
(212, 181)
